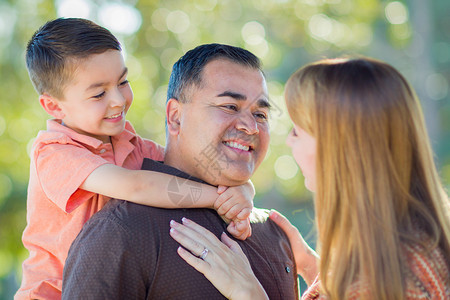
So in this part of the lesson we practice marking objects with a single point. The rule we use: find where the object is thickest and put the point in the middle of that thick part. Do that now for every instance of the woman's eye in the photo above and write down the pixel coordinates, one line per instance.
(293, 132)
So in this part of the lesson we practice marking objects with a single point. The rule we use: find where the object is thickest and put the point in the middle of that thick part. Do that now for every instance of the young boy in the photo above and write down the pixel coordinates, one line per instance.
(89, 152)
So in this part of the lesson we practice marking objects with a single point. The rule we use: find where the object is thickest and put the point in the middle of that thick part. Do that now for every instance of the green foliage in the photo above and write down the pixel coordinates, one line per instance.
(285, 34)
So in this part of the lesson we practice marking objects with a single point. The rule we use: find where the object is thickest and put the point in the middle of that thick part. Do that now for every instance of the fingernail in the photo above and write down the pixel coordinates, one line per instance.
(172, 230)
(172, 222)
(185, 220)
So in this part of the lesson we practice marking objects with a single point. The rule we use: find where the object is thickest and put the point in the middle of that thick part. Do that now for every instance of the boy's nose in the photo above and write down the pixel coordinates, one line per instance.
(117, 99)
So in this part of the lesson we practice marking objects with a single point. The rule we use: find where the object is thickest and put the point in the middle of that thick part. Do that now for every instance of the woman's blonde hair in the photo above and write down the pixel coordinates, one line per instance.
(377, 185)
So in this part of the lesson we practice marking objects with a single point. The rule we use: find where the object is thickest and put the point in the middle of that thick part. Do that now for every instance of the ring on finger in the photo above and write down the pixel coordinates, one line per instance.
(204, 253)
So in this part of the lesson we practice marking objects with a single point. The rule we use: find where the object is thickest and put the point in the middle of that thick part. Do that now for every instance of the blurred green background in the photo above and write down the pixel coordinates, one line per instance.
(414, 36)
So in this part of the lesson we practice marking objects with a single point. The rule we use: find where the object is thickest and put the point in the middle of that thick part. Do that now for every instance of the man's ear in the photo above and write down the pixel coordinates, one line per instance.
(51, 106)
(173, 115)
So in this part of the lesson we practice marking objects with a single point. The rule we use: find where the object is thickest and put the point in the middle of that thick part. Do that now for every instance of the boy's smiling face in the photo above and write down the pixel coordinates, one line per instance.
(97, 98)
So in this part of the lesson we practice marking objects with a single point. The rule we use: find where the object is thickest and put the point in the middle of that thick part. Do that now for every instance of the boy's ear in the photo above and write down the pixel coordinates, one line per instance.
(173, 114)
(51, 106)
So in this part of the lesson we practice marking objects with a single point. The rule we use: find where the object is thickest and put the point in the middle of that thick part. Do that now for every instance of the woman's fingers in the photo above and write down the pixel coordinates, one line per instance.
(225, 264)
(198, 231)
(190, 240)
(198, 263)
(283, 222)
(232, 245)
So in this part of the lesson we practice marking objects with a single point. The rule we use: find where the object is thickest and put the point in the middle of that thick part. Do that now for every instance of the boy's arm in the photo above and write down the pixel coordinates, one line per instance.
(140, 186)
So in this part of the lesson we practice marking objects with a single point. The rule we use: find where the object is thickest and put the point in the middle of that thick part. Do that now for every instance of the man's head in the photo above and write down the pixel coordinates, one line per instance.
(217, 114)
(187, 71)
(55, 49)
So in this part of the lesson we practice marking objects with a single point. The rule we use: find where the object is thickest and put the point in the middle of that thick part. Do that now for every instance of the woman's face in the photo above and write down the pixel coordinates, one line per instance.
(303, 148)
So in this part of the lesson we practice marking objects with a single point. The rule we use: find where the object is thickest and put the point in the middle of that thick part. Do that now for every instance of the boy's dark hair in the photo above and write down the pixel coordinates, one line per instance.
(187, 71)
(57, 44)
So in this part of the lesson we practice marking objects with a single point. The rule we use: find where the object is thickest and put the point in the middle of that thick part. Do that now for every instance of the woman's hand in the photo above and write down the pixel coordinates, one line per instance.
(222, 263)
(306, 258)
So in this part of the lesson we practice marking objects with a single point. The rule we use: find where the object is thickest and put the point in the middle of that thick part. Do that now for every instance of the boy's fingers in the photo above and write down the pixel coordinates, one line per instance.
(241, 232)
(221, 189)
(233, 212)
(225, 207)
(244, 214)
(223, 198)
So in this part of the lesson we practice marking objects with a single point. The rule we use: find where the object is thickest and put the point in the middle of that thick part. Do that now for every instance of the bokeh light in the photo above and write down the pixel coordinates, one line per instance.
(120, 18)
(285, 167)
(74, 8)
(396, 13)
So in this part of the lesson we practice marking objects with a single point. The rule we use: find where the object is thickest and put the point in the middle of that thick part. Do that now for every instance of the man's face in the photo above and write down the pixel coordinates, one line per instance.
(224, 130)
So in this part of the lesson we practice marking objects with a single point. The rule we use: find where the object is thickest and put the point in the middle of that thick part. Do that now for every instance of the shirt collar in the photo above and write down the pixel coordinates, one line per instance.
(55, 125)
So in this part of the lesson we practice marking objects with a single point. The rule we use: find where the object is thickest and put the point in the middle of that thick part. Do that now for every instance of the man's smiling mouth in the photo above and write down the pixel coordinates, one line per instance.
(237, 146)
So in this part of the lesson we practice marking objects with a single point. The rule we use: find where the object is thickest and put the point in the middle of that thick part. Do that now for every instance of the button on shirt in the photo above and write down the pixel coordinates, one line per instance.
(61, 159)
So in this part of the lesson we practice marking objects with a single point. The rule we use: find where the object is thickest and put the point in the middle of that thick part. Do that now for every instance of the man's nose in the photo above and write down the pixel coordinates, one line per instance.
(247, 123)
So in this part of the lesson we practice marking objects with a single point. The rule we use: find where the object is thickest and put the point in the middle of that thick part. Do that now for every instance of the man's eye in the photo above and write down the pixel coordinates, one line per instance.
(230, 107)
(99, 95)
(261, 116)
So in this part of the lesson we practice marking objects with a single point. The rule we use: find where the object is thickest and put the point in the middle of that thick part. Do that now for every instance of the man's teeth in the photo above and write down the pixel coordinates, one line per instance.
(115, 116)
(237, 146)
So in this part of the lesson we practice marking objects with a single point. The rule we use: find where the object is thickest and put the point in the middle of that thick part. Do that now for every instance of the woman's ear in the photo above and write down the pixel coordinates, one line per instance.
(51, 106)
(173, 114)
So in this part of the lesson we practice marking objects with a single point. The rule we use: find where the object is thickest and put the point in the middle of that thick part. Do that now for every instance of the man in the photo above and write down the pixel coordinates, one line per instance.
(217, 132)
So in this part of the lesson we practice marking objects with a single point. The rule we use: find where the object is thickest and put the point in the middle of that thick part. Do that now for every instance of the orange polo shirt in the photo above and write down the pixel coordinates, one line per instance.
(61, 159)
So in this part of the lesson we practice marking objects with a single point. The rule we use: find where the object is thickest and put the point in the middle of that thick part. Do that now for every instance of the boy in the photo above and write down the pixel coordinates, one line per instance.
(89, 152)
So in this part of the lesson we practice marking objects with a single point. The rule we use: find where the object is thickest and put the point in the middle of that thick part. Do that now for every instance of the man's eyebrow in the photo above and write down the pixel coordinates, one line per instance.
(263, 103)
(233, 95)
(96, 85)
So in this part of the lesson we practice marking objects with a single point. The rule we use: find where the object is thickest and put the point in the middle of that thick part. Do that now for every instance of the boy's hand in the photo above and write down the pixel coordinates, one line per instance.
(236, 204)
(240, 229)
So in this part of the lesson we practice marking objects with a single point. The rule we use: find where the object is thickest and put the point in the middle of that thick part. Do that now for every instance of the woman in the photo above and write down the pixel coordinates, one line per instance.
(382, 215)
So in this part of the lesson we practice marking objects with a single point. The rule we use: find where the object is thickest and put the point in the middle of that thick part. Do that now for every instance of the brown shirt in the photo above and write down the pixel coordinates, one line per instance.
(125, 252)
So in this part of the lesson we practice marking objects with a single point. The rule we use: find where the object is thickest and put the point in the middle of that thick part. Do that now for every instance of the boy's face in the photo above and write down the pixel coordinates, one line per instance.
(98, 97)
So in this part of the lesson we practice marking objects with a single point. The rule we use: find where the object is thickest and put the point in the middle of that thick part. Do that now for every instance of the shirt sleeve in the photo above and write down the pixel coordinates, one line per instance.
(104, 263)
(61, 169)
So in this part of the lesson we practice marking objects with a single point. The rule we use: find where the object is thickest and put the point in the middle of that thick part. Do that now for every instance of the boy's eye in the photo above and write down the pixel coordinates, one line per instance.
(125, 82)
(99, 95)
